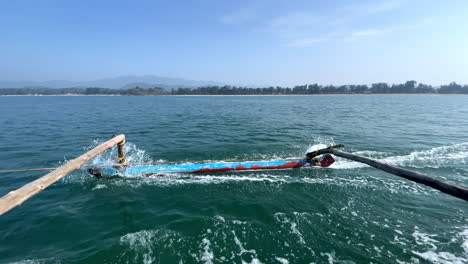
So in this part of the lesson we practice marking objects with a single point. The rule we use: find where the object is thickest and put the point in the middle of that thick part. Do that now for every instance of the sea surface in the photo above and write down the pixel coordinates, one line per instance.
(348, 213)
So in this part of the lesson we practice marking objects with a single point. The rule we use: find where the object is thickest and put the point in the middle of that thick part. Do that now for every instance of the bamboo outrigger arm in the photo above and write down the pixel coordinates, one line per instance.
(443, 186)
(17, 197)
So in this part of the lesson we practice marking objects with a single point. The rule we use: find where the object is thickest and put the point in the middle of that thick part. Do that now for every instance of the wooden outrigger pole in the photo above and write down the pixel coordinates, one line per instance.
(17, 197)
(443, 186)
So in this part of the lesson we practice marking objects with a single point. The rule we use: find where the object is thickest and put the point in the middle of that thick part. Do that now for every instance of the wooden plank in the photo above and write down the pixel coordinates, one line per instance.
(17, 197)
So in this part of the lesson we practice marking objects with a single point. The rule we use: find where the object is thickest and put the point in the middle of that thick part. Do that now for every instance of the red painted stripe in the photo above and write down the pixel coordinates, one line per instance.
(288, 165)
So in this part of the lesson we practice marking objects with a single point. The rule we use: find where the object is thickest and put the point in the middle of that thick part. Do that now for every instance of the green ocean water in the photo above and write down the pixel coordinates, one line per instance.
(348, 213)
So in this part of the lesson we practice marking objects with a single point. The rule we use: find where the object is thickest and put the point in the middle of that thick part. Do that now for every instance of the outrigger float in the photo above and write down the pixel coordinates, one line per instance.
(162, 168)
(319, 158)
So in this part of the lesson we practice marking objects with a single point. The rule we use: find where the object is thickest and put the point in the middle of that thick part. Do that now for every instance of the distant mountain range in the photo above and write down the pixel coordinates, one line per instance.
(121, 82)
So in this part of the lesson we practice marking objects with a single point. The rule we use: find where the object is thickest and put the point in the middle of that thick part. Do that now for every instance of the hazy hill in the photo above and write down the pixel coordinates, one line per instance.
(121, 82)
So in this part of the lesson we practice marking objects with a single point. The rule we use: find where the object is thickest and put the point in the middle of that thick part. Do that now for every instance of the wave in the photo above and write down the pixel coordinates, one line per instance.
(226, 239)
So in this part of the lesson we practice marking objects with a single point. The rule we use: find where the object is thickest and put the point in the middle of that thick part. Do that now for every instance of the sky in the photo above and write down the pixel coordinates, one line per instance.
(259, 42)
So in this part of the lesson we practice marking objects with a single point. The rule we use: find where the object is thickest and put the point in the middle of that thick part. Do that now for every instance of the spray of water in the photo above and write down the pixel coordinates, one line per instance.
(109, 157)
(432, 158)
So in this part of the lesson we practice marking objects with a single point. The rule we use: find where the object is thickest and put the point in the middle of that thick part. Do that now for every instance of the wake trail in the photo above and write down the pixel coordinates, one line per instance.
(436, 157)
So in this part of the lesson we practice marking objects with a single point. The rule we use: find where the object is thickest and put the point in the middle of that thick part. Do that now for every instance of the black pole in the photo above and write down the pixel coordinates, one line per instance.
(443, 186)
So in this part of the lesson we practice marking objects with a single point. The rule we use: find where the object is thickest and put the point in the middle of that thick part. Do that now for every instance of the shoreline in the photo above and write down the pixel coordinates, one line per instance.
(240, 95)
(309, 94)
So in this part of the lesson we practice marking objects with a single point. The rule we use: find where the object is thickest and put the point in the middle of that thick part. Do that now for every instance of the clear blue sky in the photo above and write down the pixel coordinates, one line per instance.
(237, 42)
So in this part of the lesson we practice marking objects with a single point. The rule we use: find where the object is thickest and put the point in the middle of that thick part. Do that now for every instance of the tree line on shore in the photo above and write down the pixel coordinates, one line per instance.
(409, 87)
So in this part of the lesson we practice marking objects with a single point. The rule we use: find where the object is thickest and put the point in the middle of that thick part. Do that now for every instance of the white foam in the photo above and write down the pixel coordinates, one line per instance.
(207, 255)
(316, 147)
(238, 222)
(443, 257)
(242, 251)
(296, 231)
(220, 218)
(292, 226)
(440, 257)
(432, 158)
(254, 261)
(282, 260)
(140, 242)
(464, 236)
(330, 257)
(241, 247)
(99, 186)
(218, 178)
(425, 239)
